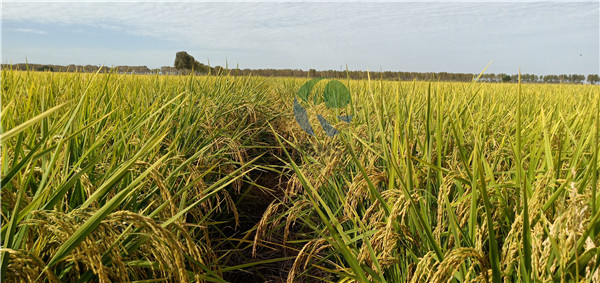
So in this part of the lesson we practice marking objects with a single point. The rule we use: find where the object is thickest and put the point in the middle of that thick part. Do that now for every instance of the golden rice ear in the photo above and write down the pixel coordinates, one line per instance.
(26, 267)
(261, 227)
(454, 258)
(303, 258)
(424, 270)
(160, 245)
(292, 216)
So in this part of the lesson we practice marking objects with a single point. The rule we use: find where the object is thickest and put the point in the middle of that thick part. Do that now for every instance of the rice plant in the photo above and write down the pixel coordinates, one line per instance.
(113, 177)
(437, 182)
(121, 177)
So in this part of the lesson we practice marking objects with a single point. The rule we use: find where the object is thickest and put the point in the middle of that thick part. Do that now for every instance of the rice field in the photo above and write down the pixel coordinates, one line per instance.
(117, 178)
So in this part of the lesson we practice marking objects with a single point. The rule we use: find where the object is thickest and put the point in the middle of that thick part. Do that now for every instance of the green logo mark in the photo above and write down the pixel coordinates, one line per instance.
(335, 95)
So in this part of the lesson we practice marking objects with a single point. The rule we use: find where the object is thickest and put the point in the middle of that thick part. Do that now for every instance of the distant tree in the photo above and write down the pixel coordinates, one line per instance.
(184, 61)
(142, 70)
(199, 67)
(593, 78)
(90, 68)
(505, 78)
(577, 79)
(166, 70)
(550, 78)
(45, 68)
(218, 70)
(529, 78)
(312, 73)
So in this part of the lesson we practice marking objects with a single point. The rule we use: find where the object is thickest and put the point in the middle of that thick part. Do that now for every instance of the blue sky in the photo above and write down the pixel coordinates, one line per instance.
(540, 38)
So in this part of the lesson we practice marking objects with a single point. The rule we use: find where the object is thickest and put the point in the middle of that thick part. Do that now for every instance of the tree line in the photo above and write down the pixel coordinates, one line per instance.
(408, 76)
(82, 68)
(185, 64)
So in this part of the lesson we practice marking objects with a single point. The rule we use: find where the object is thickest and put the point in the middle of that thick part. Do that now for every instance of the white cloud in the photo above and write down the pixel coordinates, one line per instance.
(27, 30)
(281, 25)
(414, 36)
